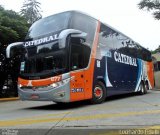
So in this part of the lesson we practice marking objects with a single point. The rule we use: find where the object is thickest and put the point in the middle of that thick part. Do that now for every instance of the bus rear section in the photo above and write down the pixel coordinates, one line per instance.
(122, 64)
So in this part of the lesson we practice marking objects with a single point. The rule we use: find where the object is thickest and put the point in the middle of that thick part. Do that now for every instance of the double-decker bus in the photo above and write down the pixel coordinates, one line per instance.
(71, 56)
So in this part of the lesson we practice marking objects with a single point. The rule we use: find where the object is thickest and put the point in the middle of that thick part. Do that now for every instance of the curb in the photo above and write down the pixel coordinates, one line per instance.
(9, 99)
(156, 89)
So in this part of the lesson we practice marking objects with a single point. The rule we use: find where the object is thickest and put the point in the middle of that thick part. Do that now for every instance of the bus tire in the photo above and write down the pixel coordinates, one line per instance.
(99, 93)
(146, 88)
(143, 89)
(147, 85)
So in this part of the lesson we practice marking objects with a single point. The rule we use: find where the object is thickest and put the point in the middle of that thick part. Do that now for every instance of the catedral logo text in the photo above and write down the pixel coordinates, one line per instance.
(41, 41)
(119, 57)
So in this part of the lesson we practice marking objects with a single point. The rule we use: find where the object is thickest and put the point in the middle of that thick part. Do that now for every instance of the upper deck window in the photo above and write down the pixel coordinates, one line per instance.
(48, 25)
(85, 24)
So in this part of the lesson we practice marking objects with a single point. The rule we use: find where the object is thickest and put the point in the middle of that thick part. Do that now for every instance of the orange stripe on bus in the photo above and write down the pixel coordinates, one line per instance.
(150, 73)
(75, 84)
(88, 75)
(41, 82)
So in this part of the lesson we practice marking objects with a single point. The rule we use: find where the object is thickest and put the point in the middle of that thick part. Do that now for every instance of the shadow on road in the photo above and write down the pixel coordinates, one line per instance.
(80, 104)
(62, 106)
(121, 96)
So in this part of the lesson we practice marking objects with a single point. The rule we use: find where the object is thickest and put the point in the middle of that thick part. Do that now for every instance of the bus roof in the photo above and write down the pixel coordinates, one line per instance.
(80, 12)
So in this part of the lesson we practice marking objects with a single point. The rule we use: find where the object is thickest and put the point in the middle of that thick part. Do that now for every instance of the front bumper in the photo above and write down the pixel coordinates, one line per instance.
(58, 94)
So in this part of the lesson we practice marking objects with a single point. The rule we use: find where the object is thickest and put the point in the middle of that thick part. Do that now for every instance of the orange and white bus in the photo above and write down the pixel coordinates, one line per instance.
(71, 56)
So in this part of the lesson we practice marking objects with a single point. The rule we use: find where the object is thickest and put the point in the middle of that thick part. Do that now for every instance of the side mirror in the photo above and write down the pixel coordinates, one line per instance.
(74, 33)
(11, 46)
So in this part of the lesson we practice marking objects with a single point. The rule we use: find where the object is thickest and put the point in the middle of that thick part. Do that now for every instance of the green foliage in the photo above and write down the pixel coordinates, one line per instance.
(156, 50)
(151, 5)
(31, 11)
(13, 27)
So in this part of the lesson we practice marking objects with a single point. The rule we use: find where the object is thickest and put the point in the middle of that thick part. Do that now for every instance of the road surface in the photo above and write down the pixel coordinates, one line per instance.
(129, 111)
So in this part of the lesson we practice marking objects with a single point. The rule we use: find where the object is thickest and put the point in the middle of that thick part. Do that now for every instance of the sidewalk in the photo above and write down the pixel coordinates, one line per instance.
(156, 89)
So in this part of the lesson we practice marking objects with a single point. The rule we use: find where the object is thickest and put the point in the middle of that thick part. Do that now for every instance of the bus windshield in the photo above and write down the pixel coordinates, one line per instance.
(45, 56)
(44, 61)
(48, 25)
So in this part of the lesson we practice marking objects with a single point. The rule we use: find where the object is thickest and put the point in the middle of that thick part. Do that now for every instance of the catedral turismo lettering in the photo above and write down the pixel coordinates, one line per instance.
(119, 57)
(41, 41)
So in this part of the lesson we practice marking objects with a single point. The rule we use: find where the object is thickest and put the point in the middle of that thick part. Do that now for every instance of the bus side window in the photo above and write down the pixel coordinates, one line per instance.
(86, 24)
(76, 57)
(80, 55)
(106, 37)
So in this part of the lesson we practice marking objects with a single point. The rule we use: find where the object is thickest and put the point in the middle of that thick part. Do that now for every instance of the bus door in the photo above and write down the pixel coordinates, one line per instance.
(77, 84)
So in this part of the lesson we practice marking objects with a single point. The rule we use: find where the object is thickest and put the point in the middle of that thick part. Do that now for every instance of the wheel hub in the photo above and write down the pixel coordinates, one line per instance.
(98, 92)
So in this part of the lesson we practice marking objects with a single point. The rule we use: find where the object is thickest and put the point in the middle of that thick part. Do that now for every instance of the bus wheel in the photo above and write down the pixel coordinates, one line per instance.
(143, 89)
(99, 93)
(147, 85)
(146, 88)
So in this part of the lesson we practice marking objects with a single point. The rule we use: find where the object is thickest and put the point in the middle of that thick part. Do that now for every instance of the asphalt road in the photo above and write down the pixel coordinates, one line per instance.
(129, 111)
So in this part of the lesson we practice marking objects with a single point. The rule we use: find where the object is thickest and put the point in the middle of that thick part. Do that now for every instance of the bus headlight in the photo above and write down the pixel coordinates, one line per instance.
(54, 85)
(19, 85)
(65, 81)
(57, 84)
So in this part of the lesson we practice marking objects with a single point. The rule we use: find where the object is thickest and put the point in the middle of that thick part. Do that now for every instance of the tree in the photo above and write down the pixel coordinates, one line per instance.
(156, 50)
(13, 27)
(31, 11)
(151, 5)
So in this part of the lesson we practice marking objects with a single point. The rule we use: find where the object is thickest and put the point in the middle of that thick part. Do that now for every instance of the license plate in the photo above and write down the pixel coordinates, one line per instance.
(34, 97)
